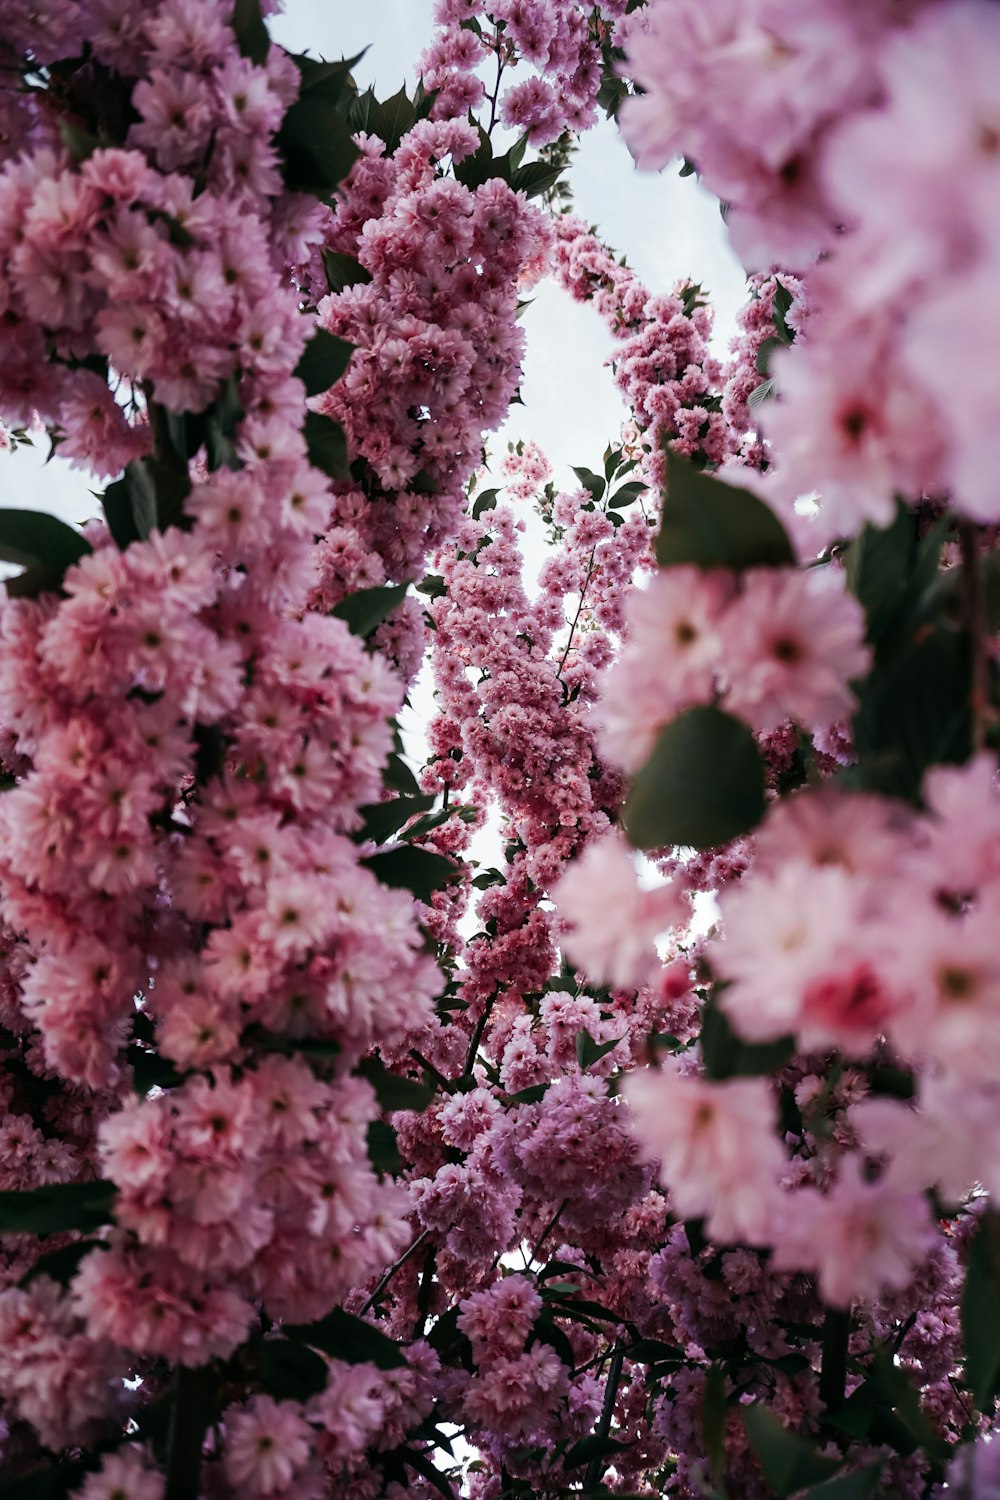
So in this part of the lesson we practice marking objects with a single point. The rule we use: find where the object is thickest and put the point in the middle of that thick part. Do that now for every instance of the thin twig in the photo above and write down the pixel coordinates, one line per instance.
(384, 1282)
(496, 93)
(428, 1067)
(579, 610)
(548, 1230)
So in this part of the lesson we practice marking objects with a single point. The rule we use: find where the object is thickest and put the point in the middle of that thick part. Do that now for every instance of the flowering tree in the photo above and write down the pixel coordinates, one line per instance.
(335, 1161)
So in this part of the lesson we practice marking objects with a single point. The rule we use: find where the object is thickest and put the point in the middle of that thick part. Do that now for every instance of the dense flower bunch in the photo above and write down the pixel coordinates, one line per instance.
(661, 361)
(348, 1109)
(437, 351)
(565, 43)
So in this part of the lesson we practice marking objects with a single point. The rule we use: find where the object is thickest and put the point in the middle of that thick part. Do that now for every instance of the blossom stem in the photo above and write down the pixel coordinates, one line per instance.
(579, 611)
(833, 1369)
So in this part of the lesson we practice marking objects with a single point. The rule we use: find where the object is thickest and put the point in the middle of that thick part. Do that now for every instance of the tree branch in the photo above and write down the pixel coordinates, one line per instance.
(833, 1369)
(975, 623)
(595, 1468)
(397, 1265)
(189, 1419)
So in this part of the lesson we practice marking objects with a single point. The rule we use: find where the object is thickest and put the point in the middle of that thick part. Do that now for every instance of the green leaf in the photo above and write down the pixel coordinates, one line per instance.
(855, 1486)
(886, 1408)
(485, 501)
(393, 119)
(894, 572)
(150, 495)
(713, 525)
(364, 611)
(702, 786)
(780, 308)
(762, 363)
(342, 270)
(79, 143)
(789, 1462)
(52, 1483)
(326, 80)
(382, 819)
(116, 503)
(478, 168)
(316, 145)
(535, 178)
(42, 544)
(433, 586)
(760, 394)
(713, 1418)
(591, 482)
(289, 1370)
(545, 1331)
(62, 1265)
(324, 360)
(321, 1049)
(382, 1147)
(429, 821)
(627, 494)
(398, 777)
(361, 114)
(591, 1447)
(915, 712)
(392, 1090)
(251, 33)
(533, 1094)
(727, 1055)
(150, 1070)
(417, 870)
(981, 1319)
(327, 445)
(350, 1339)
(56, 1208)
(588, 1051)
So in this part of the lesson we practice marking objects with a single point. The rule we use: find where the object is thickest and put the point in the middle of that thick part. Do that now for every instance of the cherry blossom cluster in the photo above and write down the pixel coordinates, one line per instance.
(438, 352)
(190, 747)
(875, 402)
(670, 381)
(772, 644)
(154, 255)
(664, 1175)
(563, 44)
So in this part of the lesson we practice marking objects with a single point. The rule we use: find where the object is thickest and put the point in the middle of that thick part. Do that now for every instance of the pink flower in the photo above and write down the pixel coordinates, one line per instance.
(717, 1145)
(127, 1474)
(804, 954)
(950, 969)
(861, 1239)
(612, 921)
(669, 662)
(794, 642)
(265, 1444)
